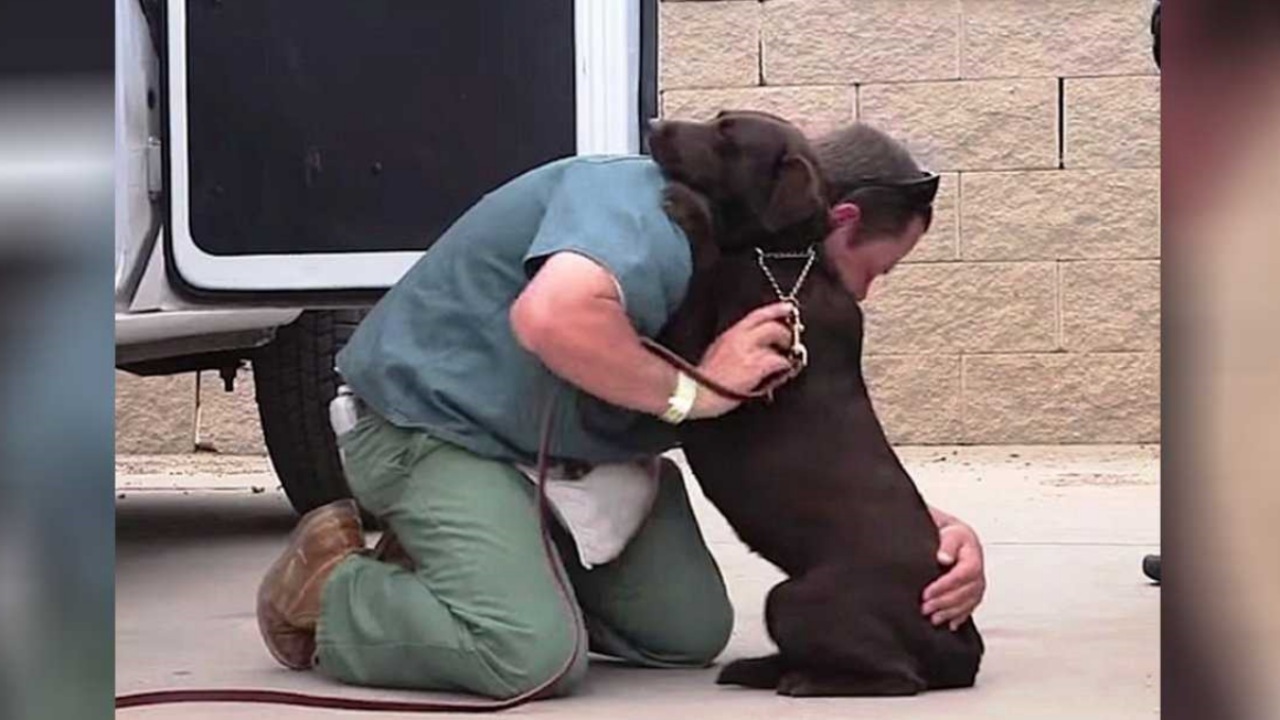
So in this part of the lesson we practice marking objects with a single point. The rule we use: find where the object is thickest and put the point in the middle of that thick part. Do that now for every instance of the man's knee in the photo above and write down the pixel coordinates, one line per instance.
(694, 639)
(704, 640)
(522, 659)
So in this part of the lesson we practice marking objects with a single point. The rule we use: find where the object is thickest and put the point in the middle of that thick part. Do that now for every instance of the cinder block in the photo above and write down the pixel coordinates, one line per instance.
(708, 44)
(854, 41)
(815, 109)
(1112, 122)
(981, 125)
(1062, 38)
(1062, 214)
(154, 415)
(1061, 398)
(942, 241)
(229, 421)
(959, 307)
(916, 397)
(1111, 306)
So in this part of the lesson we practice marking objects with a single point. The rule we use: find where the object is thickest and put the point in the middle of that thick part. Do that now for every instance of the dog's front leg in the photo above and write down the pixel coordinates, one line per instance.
(691, 210)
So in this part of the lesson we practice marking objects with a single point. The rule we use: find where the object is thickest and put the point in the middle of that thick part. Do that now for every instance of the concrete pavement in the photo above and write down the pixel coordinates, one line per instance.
(1072, 627)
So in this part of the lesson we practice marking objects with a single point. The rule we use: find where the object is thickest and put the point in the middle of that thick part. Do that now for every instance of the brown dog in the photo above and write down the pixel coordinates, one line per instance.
(808, 481)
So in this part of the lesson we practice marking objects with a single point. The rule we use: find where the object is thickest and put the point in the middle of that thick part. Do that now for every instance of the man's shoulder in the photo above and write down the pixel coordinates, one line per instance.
(614, 160)
(597, 163)
(628, 183)
(640, 167)
(603, 174)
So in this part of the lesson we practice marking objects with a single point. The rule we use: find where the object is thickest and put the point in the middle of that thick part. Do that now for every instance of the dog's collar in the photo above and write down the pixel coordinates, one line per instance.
(799, 353)
(808, 255)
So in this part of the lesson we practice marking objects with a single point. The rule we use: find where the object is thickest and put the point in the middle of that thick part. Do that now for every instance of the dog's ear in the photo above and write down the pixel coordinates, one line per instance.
(797, 194)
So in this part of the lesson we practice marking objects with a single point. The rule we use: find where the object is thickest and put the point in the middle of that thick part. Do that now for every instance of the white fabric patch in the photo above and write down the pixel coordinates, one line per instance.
(603, 509)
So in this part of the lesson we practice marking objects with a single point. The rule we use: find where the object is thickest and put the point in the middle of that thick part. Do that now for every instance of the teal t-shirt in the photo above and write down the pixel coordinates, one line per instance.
(438, 352)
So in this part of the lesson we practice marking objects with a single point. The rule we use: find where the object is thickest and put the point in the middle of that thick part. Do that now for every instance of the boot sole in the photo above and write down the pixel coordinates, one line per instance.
(270, 621)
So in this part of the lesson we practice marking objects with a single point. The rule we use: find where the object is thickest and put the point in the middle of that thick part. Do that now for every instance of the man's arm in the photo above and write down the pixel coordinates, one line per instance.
(572, 317)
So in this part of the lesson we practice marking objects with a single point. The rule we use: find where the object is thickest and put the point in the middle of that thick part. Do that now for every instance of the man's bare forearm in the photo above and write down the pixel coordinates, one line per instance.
(596, 349)
(572, 318)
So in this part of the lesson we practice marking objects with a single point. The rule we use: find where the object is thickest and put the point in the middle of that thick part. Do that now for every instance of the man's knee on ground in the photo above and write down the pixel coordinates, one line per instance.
(519, 659)
(698, 639)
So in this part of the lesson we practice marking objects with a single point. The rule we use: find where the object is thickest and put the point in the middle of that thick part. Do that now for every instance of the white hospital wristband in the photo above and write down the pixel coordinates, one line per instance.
(681, 401)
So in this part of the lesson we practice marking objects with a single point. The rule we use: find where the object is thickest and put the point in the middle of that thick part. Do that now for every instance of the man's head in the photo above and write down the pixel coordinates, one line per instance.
(757, 169)
(880, 201)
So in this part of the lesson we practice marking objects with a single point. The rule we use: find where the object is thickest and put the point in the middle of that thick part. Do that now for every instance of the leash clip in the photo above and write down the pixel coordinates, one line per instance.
(799, 353)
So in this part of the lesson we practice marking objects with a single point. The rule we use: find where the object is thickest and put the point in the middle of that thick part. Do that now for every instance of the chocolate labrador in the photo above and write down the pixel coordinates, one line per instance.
(808, 480)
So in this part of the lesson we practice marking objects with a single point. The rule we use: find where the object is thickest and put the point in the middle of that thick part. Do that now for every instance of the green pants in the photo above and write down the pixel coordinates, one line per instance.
(482, 612)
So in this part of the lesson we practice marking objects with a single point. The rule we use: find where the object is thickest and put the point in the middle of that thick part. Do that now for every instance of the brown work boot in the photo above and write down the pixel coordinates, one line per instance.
(389, 550)
(289, 596)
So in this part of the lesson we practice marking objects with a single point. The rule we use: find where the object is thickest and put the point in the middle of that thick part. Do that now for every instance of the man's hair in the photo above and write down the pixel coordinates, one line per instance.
(866, 167)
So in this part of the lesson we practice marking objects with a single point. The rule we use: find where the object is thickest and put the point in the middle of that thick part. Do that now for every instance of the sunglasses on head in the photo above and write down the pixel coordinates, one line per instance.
(917, 191)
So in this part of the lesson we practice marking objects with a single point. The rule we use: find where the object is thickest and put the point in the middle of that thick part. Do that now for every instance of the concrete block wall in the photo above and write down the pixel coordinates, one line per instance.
(1031, 311)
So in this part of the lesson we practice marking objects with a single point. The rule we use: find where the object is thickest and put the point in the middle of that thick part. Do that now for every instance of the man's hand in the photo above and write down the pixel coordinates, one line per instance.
(952, 598)
(743, 356)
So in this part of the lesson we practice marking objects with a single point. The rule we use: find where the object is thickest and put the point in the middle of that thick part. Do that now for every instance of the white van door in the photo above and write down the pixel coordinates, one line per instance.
(323, 145)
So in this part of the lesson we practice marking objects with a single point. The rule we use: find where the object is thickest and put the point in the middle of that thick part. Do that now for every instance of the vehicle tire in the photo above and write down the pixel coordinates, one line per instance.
(294, 380)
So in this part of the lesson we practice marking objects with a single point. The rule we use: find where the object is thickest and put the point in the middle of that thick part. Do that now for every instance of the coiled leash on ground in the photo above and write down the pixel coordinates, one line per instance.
(798, 358)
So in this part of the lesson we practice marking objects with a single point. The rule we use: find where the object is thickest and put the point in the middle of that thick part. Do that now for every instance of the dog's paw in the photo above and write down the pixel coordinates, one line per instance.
(688, 209)
(802, 683)
(797, 683)
(692, 212)
(762, 673)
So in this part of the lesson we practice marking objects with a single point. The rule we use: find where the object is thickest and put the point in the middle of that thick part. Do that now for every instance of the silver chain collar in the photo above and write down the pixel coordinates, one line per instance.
(799, 353)
(808, 256)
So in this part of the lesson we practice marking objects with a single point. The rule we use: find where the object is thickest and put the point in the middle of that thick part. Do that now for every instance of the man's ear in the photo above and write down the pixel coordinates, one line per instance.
(797, 194)
(844, 213)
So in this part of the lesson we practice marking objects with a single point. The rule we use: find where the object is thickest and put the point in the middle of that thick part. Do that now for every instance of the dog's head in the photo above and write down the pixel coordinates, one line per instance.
(757, 170)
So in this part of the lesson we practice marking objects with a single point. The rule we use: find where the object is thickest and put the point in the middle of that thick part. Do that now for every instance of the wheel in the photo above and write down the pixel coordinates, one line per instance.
(1151, 568)
(294, 380)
